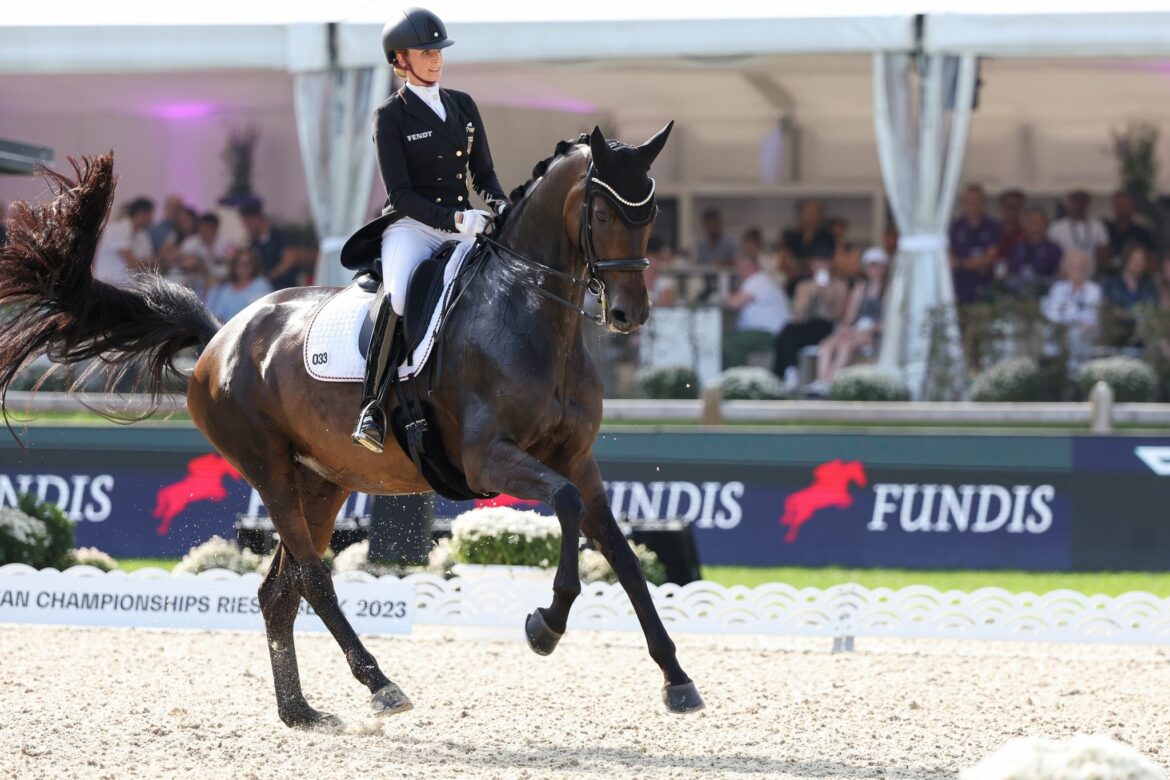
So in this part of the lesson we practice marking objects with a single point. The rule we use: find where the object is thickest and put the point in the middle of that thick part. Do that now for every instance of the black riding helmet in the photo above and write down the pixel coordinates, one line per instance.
(417, 29)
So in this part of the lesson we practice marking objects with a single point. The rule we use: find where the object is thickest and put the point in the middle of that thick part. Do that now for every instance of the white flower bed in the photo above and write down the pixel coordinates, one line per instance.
(1017, 379)
(92, 556)
(1080, 758)
(506, 536)
(22, 528)
(218, 553)
(751, 383)
(1130, 378)
(868, 383)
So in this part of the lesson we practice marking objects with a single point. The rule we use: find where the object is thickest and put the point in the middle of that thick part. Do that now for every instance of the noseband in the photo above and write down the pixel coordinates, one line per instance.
(593, 264)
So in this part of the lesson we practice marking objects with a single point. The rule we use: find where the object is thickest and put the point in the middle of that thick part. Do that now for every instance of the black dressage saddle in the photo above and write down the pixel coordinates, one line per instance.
(423, 292)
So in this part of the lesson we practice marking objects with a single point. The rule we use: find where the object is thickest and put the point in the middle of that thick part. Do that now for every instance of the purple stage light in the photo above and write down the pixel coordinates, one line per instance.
(182, 110)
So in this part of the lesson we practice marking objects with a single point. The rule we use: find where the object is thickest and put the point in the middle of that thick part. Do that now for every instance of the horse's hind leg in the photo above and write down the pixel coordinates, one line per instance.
(320, 501)
(279, 601)
(679, 694)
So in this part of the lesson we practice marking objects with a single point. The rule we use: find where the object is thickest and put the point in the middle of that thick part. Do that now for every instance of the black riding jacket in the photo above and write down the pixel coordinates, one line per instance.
(424, 161)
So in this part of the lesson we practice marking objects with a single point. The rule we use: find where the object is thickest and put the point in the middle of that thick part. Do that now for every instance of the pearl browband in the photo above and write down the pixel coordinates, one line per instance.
(622, 200)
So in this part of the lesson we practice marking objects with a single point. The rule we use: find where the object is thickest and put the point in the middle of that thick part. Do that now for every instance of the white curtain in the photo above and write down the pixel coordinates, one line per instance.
(922, 112)
(334, 112)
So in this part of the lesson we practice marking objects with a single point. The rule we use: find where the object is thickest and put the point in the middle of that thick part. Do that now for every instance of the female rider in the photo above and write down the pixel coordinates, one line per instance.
(427, 138)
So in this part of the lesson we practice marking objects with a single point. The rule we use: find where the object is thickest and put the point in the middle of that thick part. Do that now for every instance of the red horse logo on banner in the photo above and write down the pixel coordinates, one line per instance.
(204, 482)
(829, 490)
(504, 500)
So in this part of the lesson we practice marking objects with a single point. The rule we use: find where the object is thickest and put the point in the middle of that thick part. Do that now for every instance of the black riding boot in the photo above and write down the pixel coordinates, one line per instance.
(371, 425)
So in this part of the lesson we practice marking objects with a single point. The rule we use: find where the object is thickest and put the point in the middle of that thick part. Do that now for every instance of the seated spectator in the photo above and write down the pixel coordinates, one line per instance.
(846, 256)
(1035, 261)
(244, 285)
(210, 248)
(3, 223)
(800, 244)
(1078, 232)
(1075, 302)
(862, 323)
(1123, 230)
(762, 307)
(278, 257)
(974, 246)
(714, 248)
(1162, 282)
(1128, 292)
(816, 311)
(186, 221)
(125, 245)
(1011, 220)
(165, 226)
(660, 284)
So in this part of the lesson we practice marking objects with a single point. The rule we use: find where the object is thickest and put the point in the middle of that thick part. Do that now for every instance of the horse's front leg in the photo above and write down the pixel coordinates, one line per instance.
(679, 693)
(502, 467)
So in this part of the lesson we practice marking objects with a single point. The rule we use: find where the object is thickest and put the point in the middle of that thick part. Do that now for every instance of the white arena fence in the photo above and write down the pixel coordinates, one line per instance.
(497, 604)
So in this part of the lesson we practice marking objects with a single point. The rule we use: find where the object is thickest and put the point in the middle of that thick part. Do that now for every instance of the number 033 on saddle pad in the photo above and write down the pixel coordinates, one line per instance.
(333, 351)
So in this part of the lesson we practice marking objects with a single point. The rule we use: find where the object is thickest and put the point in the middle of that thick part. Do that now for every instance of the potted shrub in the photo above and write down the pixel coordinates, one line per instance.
(868, 383)
(1132, 380)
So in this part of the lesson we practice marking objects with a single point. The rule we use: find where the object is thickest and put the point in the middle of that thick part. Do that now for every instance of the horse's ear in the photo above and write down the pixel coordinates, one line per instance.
(600, 148)
(651, 148)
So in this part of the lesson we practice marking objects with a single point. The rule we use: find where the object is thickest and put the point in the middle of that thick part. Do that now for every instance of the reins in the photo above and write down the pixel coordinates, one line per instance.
(593, 264)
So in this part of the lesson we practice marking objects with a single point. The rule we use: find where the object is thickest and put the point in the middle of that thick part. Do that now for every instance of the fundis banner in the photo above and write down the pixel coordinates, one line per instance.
(753, 498)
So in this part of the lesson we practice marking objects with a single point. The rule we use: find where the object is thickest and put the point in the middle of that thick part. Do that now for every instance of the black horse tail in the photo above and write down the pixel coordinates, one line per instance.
(51, 304)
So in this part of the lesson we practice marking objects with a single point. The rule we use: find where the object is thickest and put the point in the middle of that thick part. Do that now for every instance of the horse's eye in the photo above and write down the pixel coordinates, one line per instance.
(601, 216)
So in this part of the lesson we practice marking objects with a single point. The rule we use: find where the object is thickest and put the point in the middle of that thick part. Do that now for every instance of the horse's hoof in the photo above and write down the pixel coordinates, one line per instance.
(390, 700)
(681, 698)
(542, 639)
(306, 717)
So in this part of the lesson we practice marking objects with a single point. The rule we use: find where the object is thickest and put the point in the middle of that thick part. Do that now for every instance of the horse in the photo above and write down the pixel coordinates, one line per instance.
(518, 400)
(829, 490)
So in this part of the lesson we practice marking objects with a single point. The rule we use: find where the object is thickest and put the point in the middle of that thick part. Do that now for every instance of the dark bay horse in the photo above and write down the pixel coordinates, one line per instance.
(518, 400)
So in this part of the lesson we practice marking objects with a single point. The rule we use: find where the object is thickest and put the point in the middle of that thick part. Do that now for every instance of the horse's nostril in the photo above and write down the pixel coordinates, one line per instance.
(619, 315)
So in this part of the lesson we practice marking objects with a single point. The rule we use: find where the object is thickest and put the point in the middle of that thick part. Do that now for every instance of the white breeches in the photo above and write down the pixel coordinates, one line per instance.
(405, 244)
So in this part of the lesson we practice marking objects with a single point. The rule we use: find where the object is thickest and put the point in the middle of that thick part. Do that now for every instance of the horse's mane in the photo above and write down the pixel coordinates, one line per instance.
(541, 168)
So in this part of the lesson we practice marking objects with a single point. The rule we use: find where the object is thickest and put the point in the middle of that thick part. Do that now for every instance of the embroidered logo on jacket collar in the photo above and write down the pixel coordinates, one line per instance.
(419, 136)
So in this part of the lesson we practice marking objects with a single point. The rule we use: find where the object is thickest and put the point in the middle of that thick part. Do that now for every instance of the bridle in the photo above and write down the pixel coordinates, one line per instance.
(593, 264)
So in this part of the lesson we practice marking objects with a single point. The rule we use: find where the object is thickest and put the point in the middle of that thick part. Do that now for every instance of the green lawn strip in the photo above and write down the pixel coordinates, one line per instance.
(134, 564)
(1108, 583)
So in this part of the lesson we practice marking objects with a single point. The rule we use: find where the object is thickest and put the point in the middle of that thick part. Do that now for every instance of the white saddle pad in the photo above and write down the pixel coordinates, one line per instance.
(331, 345)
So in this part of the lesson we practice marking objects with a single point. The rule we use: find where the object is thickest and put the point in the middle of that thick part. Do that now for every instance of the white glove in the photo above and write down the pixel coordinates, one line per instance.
(500, 208)
(472, 222)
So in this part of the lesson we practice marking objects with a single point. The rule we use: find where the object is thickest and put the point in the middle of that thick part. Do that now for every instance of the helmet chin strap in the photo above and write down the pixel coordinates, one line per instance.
(410, 69)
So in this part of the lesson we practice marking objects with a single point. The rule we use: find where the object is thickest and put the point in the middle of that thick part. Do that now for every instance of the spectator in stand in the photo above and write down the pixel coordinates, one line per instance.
(1129, 292)
(800, 244)
(846, 256)
(890, 241)
(1075, 302)
(660, 283)
(974, 246)
(244, 284)
(125, 246)
(3, 223)
(1011, 220)
(1078, 232)
(278, 258)
(715, 249)
(816, 311)
(1162, 282)
(1034, 261)
(1123, 231)
(862, 323)
(762, 307)
(185, 223)
(172, 204)
(208, 247)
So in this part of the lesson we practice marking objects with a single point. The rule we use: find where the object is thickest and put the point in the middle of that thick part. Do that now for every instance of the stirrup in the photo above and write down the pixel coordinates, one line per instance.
(371, 428)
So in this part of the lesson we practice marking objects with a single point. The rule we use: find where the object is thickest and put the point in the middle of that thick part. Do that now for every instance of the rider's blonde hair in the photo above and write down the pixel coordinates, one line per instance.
(399, 72)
